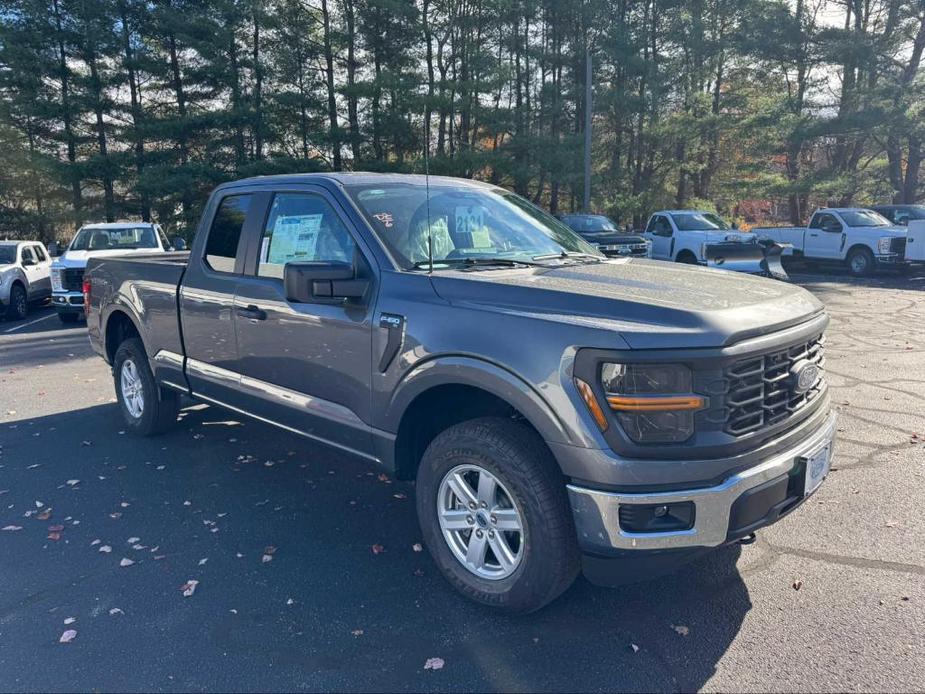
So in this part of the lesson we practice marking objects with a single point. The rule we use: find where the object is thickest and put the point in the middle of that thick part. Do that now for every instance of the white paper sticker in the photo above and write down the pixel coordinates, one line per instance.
(294, 238)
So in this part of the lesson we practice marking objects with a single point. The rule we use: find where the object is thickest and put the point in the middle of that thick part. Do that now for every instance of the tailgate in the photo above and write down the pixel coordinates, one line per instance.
(915, 241)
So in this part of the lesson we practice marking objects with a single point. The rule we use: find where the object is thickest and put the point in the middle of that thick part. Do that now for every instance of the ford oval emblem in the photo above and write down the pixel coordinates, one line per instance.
(804, 375)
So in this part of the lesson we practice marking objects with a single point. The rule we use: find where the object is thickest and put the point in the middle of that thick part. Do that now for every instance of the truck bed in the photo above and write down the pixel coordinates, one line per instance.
(783, 235)
(144, 287)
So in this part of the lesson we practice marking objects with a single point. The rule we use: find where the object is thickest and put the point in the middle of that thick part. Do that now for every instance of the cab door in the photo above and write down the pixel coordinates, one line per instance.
(825, 237)
(307, 366)
(660, 234)
(207, 297)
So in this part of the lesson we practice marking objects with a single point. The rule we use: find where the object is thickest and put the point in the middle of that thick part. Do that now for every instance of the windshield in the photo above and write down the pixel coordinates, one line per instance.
(699, 221)
(589, 224)
(464, 223)
(119, 238)
(864, 218)
(7, 255)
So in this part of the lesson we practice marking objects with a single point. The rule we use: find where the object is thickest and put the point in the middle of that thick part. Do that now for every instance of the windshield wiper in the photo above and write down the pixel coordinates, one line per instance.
(476, 262)
(569, 255)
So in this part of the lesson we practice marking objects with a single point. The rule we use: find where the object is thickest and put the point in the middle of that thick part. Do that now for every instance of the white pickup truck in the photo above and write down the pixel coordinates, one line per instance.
(94, 241)
(681, 235)
(862, 239)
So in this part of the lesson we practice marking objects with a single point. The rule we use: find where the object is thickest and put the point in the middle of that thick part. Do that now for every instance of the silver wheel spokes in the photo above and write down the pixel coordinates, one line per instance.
(480, 522)
(132, 389)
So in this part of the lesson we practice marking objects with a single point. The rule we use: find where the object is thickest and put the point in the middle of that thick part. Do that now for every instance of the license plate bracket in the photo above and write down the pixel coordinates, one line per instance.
(816, 466)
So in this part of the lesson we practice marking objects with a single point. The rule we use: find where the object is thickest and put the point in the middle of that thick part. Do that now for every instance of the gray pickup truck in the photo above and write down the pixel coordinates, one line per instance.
(558, 410)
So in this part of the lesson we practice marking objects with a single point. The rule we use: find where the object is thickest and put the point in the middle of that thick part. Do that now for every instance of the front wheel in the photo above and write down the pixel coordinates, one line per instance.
(18, 306)
(861, 262)
(147, 409)
(494, 513)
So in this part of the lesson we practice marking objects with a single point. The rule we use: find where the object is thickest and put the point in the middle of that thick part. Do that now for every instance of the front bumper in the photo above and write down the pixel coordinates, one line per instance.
(68, 302)
(750, 499)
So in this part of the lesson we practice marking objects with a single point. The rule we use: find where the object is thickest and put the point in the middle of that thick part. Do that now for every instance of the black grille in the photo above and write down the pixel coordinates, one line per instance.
(761, 390)
(72, 279)
(898, 245)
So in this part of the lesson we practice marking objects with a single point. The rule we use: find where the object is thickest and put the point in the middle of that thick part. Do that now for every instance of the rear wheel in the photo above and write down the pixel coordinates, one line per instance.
(687, 258)
(18, 306)
(494, 513)
(147, 409)
(861, 262)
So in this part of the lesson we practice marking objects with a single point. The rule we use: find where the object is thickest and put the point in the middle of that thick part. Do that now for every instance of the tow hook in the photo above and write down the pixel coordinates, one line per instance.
(748, 539)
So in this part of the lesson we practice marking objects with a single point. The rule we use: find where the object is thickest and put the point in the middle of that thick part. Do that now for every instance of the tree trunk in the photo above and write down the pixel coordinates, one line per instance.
(137, 114)
(66, 115)
(329, 80)
(352, 105)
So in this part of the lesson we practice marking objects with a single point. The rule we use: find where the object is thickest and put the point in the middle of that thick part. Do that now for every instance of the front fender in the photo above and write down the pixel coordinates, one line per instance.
(561, 426)
(6, 282)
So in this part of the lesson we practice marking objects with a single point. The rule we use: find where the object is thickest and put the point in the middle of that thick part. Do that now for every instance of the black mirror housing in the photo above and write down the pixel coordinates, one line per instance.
(322, 282)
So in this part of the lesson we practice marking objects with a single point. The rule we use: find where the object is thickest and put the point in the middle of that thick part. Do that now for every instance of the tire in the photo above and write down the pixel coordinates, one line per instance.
(68, 317)
(861, 262)
(531, 491)
(18, 304)
(147, 409)
(687, 258)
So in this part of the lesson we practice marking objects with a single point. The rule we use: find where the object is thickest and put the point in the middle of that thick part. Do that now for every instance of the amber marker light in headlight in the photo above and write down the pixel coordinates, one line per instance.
(587, 394)
(654, 403)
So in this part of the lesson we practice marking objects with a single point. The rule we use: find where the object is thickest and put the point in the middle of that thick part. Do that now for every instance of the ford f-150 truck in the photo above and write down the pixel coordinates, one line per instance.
(556, 408)
(860, 238)
(24, 277)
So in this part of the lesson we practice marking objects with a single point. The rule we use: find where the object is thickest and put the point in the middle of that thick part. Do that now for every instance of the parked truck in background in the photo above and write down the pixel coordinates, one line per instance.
(861, 239)
(557, 409)
(25, 268)
(603, 232)
(92, 241)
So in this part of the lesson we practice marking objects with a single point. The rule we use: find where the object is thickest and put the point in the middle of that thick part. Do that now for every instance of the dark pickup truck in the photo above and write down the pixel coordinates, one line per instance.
(558, 410)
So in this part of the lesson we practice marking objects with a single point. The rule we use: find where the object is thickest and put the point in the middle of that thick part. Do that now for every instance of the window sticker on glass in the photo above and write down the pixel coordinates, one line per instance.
(470, 219)
(293, 238)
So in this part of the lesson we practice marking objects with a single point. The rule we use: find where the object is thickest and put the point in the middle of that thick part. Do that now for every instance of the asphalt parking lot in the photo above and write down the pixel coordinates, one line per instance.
(309, 578)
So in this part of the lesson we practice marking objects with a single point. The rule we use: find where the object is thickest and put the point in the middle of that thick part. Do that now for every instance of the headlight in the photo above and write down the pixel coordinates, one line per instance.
(653, 402)
(883, 245)
(56, 280)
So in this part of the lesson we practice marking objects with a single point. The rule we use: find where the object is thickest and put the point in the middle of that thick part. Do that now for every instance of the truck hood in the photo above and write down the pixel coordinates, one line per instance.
(651, 304)
(79, 258)
(883, 231)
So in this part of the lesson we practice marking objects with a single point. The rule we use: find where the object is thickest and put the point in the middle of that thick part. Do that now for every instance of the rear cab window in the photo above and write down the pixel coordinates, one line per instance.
(221, 250)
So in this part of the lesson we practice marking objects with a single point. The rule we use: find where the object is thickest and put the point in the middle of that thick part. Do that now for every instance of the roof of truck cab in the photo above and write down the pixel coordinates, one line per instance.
(116, 225)
(348, 178)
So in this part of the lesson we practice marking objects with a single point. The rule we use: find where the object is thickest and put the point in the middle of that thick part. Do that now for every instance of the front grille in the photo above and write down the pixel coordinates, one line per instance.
(898, 245)
(760, 390)
(72, 279)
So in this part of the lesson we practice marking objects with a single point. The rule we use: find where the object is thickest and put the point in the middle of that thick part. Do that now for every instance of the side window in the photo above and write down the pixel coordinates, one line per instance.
(816, 221)
(650, 228)
(901, 217)
(225, 233)
(662, 226)
(302, 226)
(27, 256)
(39, 253)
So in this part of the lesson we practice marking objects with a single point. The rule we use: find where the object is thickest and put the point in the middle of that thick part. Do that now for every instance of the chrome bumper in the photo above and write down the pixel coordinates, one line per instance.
(597, 517)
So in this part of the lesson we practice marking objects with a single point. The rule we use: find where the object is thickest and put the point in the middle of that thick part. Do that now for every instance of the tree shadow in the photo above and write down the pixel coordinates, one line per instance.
(326, 612)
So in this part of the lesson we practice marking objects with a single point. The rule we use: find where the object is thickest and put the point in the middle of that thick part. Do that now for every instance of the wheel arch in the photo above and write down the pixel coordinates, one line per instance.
(118, 326)
(445, 392)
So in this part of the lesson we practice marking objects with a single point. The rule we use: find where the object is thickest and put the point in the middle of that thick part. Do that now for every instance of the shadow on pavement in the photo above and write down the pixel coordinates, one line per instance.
(205, 502)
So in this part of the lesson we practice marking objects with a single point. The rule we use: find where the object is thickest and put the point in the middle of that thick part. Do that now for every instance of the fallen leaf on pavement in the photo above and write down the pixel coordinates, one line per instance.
(125, 562)
(12, 527)
(39, 504)
(54, 536)
(133, 540)
(115, 611)
(106, 548)
(357, 632)
(44, 515)
(681, 629)
(70, 620)
(67, 636)
(203, 561)
(55, 528)
(634, 647)
(268, 553)
(377, 549)
(189, 588)
(71, 483)
(797, 584)
(417, 547)
(434, 664)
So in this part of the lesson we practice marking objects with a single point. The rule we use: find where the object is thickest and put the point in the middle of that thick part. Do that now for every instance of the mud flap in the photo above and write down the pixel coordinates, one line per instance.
(761, 258)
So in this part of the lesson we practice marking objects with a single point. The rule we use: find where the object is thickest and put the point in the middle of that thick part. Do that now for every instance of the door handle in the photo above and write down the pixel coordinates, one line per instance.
(813, 235)
(251, 312)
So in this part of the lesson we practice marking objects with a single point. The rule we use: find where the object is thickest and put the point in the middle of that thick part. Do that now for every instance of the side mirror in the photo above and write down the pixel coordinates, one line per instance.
(322, 282)
(178, 244)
